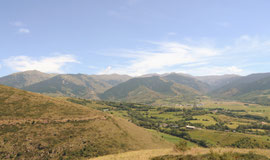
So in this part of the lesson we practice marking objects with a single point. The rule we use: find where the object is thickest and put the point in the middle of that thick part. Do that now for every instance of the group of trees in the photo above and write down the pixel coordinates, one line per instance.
(142, 115)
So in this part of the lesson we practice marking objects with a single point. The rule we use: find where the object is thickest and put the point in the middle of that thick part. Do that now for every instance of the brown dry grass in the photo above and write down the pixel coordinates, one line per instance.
(148, 154)
(196, 151)
(137, 155)
(34, 126)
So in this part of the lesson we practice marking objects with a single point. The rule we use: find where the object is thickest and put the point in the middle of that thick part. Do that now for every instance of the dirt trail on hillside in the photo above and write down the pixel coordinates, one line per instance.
(46, 121)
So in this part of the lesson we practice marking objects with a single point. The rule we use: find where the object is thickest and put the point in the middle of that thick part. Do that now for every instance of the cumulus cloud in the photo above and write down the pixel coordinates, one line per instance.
(24, 30)
(45, 64)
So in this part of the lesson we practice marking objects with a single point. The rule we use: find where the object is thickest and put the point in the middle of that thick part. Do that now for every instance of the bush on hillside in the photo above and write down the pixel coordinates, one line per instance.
(181, 146)
(247, 142)
(214, 156)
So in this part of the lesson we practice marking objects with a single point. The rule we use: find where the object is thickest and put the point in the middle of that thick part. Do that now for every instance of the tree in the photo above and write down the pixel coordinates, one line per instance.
(181, 146)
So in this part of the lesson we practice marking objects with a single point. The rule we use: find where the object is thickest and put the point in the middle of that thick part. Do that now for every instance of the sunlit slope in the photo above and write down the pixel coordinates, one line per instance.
(147, 89)
(149, 154)
(218, 81)
(188, 81)
(22, 79)
(254, 88)
(112, 79)
(33, 126)
(72, 85)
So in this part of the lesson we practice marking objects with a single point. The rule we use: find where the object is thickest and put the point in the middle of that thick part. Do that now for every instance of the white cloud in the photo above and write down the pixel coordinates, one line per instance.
(213, 70)
(249, 49)
(244, 55)
(168, 54)
(24, 30)
(107, 70)
(44, 64)
(234, 69)
(21, 27)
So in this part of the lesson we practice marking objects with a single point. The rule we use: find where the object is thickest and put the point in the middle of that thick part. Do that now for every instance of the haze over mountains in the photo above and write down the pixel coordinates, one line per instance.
(253, 88)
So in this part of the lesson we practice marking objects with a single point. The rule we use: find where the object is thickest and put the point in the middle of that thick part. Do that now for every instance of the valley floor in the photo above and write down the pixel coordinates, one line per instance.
(148, 154)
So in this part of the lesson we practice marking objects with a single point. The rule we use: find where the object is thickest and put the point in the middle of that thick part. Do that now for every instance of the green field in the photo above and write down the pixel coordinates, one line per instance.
(172, 139)
(206, 120)
(254, 109)
(223, 139)
(217, 123)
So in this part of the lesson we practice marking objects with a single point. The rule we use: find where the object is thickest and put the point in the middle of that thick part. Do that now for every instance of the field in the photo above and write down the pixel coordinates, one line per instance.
(254, 109)
(223, 139)
(171, 139)
(216, 123)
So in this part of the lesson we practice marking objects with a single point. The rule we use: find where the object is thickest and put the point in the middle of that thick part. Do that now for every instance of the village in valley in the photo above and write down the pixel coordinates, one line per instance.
(191, 122)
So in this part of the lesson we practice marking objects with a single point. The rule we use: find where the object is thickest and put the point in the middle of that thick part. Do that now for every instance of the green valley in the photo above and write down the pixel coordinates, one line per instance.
(96, 115)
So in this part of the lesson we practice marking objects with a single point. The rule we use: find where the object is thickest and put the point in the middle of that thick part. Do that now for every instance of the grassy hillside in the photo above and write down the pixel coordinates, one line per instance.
(148, 154)
(216, 82)
(22, 79)
(72, 85)
(214, 156)
(33, 126)
(253, 88)
(147, 89)
(188, 81)
(112, 79)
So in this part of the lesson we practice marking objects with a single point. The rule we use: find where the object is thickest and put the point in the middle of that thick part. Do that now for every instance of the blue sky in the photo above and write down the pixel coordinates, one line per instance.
(135, 37)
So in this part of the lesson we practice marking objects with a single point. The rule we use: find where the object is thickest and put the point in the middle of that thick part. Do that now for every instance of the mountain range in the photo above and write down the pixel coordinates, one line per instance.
(254, 88)
(147, 90)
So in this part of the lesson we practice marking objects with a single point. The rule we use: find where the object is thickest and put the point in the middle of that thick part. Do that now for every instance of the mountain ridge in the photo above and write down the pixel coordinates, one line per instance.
(155, 85)
(251, 88)
(22, 79)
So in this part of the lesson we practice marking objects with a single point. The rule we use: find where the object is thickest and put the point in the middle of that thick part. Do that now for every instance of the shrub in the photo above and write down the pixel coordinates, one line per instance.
(181, 146)
(214, 156)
